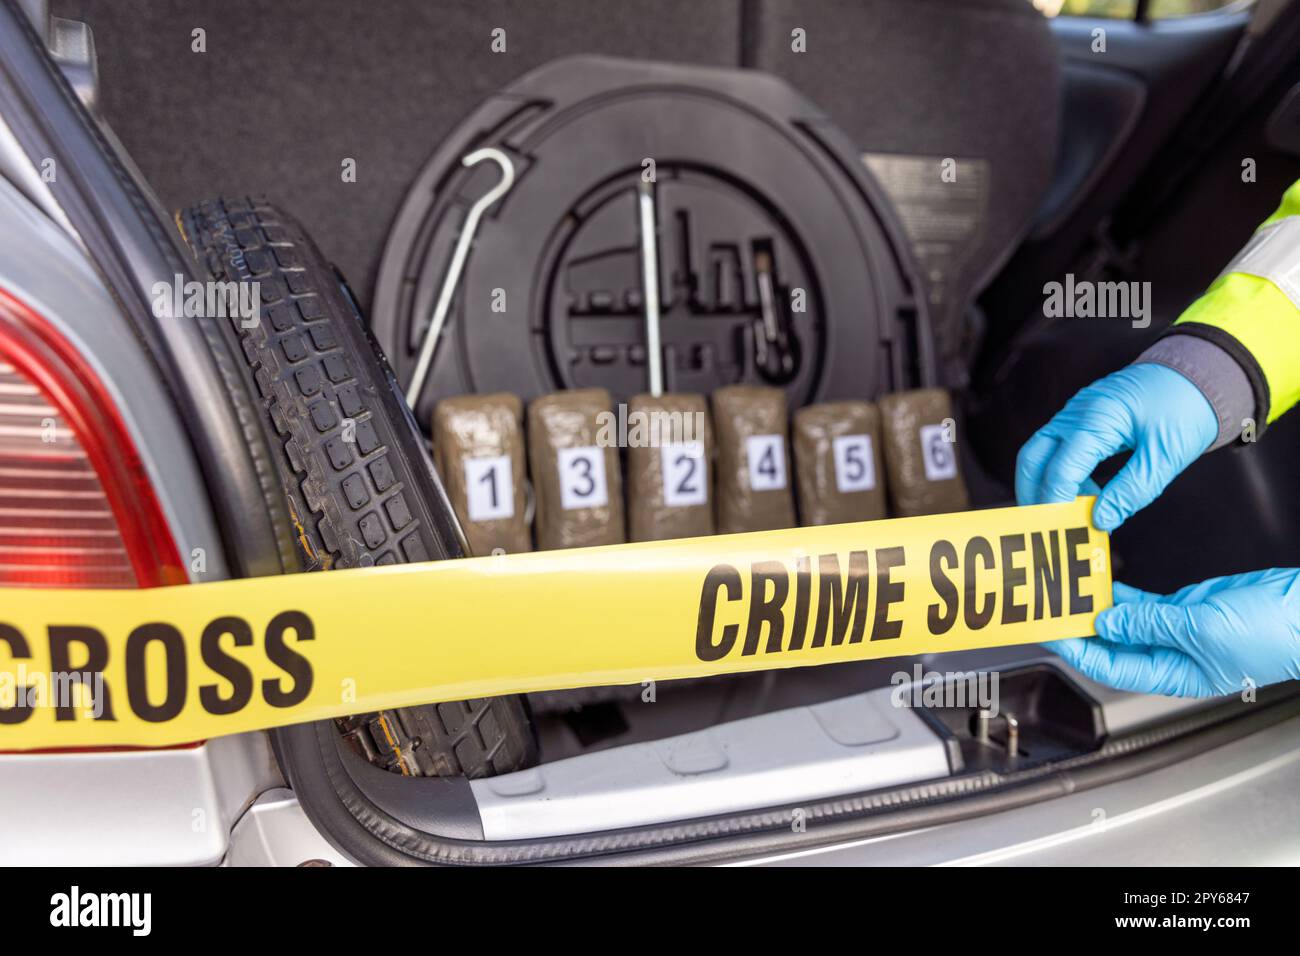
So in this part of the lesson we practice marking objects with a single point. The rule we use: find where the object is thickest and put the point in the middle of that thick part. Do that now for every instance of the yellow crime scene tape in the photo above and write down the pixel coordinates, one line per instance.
(84, 668)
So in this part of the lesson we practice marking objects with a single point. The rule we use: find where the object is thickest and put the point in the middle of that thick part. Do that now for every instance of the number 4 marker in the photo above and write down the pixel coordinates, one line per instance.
(766, 455)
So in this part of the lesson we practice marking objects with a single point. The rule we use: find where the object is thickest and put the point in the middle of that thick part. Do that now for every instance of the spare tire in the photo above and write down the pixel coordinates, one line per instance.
(351, 463)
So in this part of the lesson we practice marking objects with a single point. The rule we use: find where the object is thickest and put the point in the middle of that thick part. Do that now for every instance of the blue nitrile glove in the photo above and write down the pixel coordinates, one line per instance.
(1151, 409)
(1215, 638)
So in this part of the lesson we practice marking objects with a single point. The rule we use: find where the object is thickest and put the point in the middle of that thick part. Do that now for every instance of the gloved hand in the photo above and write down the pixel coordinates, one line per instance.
(1205, 640)
(1151, 409)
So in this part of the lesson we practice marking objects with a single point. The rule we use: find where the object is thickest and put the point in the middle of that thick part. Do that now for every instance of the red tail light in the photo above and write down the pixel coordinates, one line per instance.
(76, 505)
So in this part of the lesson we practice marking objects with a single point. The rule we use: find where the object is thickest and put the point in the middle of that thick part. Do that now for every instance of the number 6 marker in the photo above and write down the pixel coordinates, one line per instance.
(938, 455)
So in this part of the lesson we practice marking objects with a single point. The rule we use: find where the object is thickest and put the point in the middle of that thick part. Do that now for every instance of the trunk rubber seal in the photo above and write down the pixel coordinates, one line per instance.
(355, 824)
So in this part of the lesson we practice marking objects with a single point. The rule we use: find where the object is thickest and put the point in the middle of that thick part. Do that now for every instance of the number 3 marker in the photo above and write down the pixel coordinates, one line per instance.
(582, 478)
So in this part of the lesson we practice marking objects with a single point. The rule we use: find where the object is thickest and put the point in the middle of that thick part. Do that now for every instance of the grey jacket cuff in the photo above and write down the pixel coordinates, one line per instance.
(1216, 373)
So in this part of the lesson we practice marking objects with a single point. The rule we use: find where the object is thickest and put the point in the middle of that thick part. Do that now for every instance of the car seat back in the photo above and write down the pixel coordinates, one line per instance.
(955, 106)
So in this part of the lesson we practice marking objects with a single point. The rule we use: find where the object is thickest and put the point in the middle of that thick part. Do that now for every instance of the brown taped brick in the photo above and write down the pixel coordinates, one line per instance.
(576, 481)
(478, 446)
(670, 469)
(753, 474)
(839, 467)
(920, 456)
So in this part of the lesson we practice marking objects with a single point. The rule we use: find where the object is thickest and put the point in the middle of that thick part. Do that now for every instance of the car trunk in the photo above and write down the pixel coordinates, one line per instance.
(712, 768)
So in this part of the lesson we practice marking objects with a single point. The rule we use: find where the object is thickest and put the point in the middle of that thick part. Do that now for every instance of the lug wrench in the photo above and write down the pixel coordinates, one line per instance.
(458, 256)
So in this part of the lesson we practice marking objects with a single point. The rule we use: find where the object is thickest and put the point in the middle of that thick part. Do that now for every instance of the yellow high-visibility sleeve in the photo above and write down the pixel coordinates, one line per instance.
(1253, 309)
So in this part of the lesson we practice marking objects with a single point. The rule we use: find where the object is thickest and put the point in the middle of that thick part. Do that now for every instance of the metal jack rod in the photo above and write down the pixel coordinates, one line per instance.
(650, 286)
